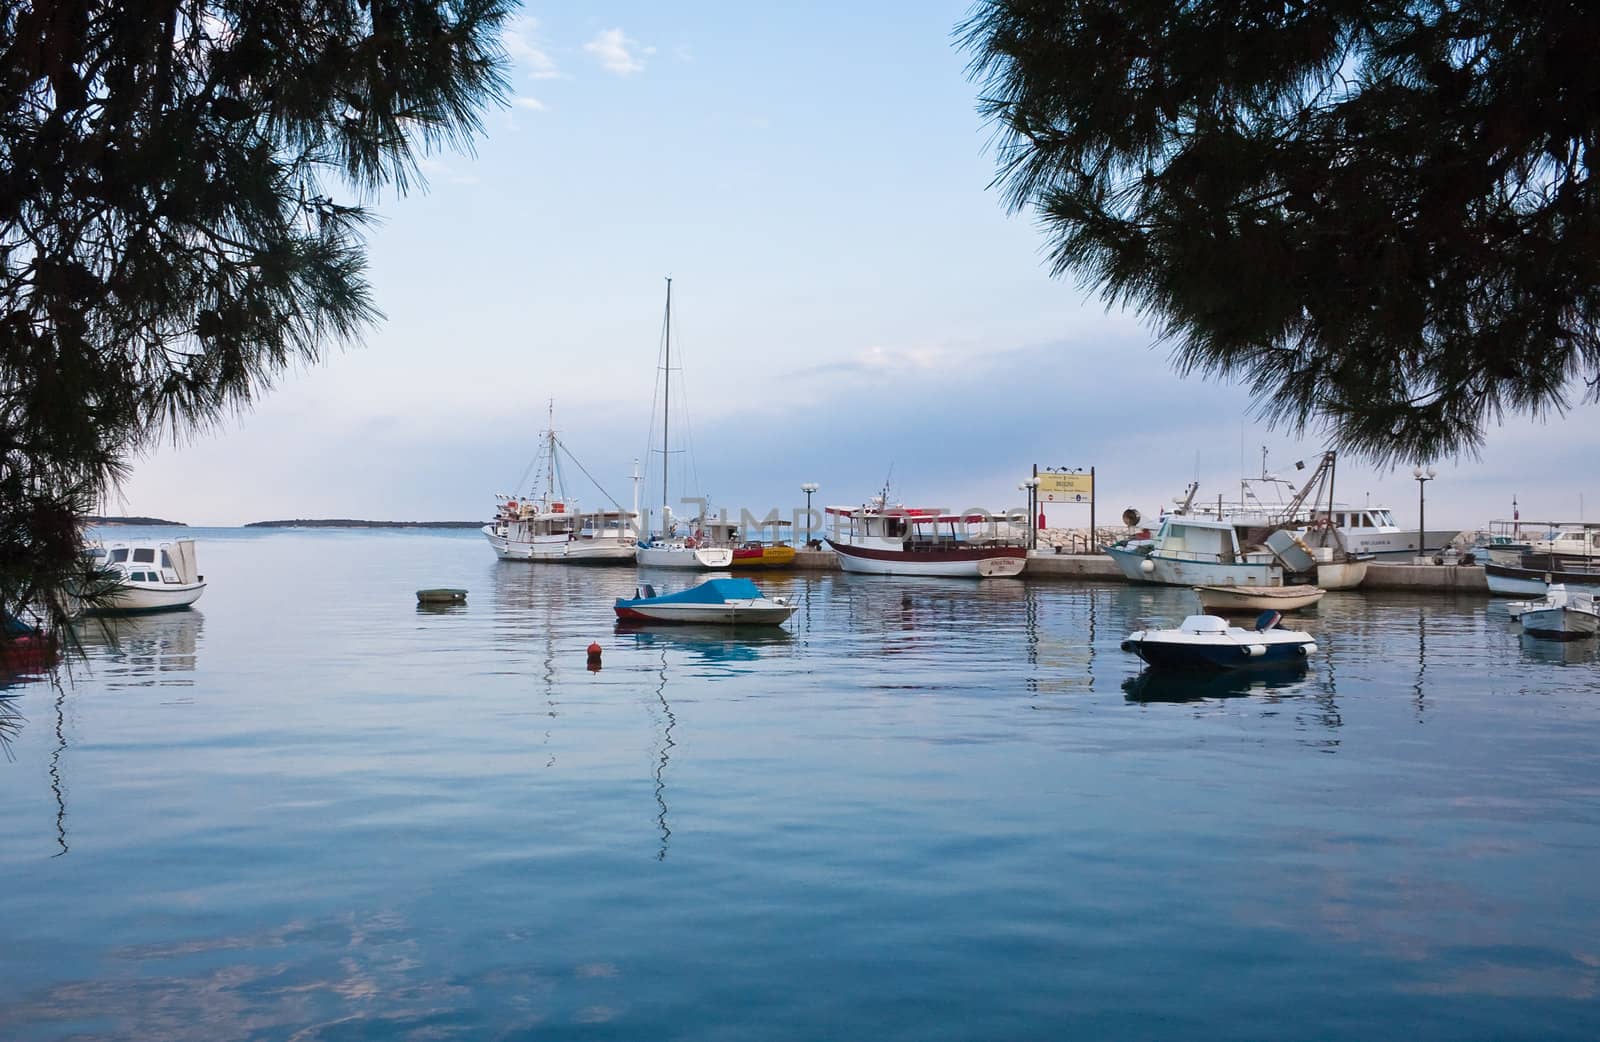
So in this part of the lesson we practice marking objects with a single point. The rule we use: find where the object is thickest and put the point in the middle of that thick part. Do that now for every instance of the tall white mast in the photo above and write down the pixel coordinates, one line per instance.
(666, 407)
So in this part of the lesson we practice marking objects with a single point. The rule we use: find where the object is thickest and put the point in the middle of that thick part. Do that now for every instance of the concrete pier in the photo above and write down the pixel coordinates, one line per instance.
(1048, 565)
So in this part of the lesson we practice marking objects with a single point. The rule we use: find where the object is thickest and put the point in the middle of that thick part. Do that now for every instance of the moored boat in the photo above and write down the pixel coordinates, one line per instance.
(548, 526)
(1561, 615)
(1512, 581)
(144, 577)
(1195, 551)
(724, 601)
(878, 540)
(1208, 642)
(1233, 599)
(25, 648)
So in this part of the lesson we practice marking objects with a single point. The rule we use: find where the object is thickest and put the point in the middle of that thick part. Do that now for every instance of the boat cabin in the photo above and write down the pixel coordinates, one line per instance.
(165, 562)
(1350, 517)
(723, 532)
(1188, 538)
(919, 528)
(606, 524)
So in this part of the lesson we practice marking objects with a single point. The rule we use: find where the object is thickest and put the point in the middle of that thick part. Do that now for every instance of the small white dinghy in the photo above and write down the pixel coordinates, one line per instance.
(1207, 642)
(729, 601)
(1233, 599)
(1562, 615)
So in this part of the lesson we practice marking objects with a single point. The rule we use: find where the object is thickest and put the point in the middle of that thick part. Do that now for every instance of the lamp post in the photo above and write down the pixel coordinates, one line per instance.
(808, 488)
(1032, 485)
(1423, 477)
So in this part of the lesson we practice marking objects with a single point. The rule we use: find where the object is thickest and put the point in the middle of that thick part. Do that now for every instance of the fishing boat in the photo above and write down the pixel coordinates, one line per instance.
(548, 526)
(143, 577)
(683, 545)
(1195, 551)
(1561, 615)
(1208, 642)
(875, 539)
(1520, 581)
(1240, 599)
(724, 601)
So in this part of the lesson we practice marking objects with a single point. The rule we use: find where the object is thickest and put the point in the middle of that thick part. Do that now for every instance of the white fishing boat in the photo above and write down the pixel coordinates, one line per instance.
(1195, 551)
(144, 577)
(1240, 599)
(731, 602)
(679, 544)
(875, 539)
(1561, 615)
(547, 525)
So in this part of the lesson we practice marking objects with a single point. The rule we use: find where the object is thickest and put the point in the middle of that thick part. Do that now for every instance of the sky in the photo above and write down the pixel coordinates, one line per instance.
(851, 303)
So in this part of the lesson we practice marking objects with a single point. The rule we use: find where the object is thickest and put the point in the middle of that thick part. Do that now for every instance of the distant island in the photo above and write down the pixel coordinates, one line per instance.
(133, 521)
(347, 522)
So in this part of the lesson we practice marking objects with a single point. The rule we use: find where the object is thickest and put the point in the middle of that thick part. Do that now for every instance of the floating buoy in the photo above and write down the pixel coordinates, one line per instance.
(594, 650)
(594, 657)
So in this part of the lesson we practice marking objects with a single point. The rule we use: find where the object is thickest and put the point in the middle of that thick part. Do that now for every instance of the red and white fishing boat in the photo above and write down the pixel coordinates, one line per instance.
(879, 540)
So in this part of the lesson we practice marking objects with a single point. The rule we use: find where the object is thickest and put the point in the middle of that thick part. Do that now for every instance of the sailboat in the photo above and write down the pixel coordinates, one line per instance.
(547, 526)
(692, 549)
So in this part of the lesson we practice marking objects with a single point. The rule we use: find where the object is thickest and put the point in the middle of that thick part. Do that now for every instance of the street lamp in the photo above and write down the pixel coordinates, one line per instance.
(1423, 477)
(808, 488)
(1032, 485)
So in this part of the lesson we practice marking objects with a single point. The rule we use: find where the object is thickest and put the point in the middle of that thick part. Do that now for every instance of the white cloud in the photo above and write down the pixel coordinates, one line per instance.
(532, 104)
(617, 53)
(521, 41)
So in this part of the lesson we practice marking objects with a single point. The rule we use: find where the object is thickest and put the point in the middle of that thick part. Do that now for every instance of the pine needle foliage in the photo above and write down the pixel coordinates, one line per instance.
(1381, 217)
(183, 195)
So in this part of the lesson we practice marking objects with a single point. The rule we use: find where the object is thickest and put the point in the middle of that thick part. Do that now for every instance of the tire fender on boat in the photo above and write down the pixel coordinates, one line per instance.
(1254, 650)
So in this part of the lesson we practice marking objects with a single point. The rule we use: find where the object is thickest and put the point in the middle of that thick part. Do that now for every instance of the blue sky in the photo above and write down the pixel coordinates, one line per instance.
(849, 296)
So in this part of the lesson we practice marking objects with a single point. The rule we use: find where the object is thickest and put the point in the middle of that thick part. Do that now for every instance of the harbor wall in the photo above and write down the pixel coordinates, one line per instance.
(1461, 578)
(1458, 578)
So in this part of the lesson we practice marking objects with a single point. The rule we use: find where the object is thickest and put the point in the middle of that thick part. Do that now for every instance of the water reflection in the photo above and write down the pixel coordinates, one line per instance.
(1561, 652)
(720, 645)
(1156, 685)
(144, 646)
(664, 755)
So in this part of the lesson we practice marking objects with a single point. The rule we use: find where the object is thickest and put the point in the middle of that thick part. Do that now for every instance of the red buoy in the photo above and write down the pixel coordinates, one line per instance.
(594, 650)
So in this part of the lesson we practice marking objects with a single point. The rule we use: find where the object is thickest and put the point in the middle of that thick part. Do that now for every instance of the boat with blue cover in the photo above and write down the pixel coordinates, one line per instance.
(1207, 642)
(726, 601)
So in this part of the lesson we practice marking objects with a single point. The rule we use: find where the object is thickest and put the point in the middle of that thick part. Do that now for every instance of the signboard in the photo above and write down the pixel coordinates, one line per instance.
(1066, 488)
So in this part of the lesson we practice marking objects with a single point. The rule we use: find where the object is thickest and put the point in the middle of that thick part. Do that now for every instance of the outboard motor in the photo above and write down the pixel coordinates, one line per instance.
(1267, 620)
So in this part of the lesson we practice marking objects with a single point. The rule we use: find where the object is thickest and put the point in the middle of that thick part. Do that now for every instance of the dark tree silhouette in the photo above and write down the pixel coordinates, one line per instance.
(1379, 216)
(169, 228)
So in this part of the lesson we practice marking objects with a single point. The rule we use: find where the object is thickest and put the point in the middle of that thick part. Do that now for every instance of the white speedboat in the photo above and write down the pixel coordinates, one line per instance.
(145, 577)
(1232, 599)
(725, 601)
(685, 554)
(1208, 642)
(1562, 615)
(877, 540)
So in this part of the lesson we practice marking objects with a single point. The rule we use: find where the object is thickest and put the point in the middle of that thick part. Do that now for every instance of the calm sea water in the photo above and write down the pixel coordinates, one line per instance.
(927, 810)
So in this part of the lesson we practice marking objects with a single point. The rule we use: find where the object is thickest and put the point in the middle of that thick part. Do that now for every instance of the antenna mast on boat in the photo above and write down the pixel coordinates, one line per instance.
(666, 407)
(550, 457)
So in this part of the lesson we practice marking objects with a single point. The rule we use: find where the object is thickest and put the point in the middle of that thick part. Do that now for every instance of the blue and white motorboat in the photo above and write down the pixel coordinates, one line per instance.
(1207, 642)
(727, 601)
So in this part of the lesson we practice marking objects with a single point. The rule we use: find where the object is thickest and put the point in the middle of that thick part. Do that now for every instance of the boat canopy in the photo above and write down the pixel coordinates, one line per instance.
(712, 591)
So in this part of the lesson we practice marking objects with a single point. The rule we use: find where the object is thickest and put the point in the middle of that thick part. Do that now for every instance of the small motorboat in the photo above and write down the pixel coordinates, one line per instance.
(144, 577)
(25, 648)
(1235, 599)
(1562, 615)
(442, 595)
(1207, 642)
(726, 601)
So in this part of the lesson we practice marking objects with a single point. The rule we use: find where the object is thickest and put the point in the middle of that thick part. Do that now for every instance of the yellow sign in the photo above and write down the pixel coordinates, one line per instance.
(1066, 488)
